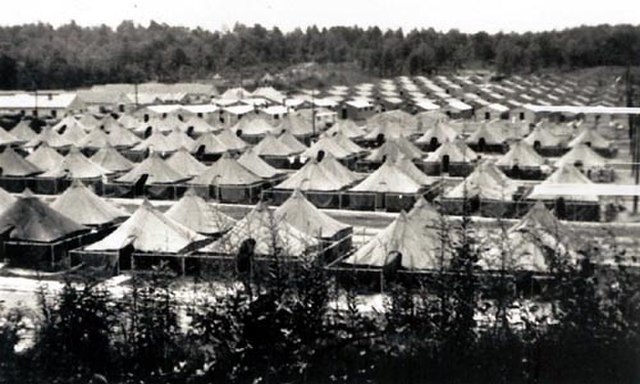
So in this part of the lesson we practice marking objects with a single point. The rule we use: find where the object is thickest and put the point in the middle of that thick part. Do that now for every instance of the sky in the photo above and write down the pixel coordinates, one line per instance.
(466, 15)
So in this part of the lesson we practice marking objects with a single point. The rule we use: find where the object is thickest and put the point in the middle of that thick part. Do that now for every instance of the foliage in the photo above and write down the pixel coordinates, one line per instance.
(38, 55)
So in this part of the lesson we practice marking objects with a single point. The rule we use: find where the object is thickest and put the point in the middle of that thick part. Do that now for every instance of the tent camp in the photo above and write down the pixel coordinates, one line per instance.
(15, 171)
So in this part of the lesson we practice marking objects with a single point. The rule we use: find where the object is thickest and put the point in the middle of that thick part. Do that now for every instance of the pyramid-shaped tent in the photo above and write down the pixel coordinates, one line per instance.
(269, 146)
(23, 132)
(486, 182)
(414, 237)
(148, 230)
(584, 155)
(458, 152)
(183, 162)
(522, 155)
(30, 219)
(45, 157)
(256, 165)
(85, 207)
(12, 164)
(226, 171)
(261, 225)
(306, 217)
(198, 215)
(158, 171)
(388, 178)
(313, 177)
(110, 159)
(290, 141)
(49, 136)
(590, 137)
(76, 166)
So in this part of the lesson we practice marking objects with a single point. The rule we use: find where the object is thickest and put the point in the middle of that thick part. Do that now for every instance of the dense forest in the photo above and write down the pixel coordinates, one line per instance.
(71, 56)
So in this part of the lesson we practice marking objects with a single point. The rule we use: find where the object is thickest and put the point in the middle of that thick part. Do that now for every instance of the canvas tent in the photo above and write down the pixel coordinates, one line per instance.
(145, 239)
(36, 235)
(227, 180)
(306, 217)
(412, 242)
(198, 215)
(83, 206)
(265, 231)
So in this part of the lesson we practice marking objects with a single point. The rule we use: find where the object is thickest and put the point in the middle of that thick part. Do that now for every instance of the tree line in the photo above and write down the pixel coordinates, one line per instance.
(39, 55)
